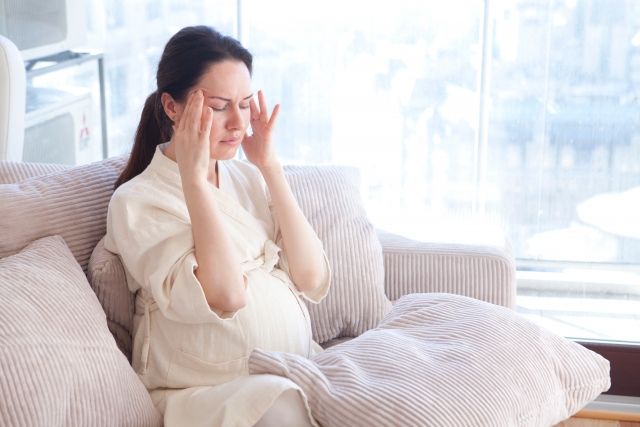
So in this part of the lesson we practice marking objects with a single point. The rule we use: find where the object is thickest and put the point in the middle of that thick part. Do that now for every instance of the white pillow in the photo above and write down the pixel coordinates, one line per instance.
(446, 360)
(59, 364)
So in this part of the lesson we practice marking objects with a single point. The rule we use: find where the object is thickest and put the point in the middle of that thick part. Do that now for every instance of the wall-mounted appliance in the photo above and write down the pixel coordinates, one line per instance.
(41, 28)
(58, 126)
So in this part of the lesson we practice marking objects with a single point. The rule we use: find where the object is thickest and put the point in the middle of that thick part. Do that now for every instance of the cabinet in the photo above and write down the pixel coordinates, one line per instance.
(51, 108)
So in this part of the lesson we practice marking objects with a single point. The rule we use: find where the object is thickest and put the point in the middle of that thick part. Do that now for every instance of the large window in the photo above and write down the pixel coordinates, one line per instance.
(397, 91)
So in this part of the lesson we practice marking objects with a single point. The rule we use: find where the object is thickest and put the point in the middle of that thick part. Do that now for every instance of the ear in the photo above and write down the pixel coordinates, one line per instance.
(171, 107)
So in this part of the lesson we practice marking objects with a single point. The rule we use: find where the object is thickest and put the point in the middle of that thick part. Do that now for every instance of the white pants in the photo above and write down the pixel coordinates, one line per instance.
(288, 410)
(250, 400)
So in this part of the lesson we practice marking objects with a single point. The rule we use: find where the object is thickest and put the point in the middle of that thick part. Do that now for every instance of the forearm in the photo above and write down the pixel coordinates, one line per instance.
(300, 242)
(219, 271)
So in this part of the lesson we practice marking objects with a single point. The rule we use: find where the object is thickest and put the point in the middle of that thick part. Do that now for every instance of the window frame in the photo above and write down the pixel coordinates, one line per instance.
(624, 359)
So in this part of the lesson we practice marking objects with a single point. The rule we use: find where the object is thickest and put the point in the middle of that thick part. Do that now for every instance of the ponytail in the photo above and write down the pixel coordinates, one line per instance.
(154, 129)
(185, 59)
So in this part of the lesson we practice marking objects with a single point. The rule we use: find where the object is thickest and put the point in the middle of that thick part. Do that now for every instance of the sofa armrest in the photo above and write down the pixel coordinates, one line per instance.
(478, 263)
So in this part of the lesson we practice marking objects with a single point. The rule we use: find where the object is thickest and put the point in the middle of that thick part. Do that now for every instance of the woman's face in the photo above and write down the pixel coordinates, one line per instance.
(227, 91)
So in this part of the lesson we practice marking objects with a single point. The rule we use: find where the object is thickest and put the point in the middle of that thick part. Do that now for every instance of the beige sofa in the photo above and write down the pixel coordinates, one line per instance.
(370, 268)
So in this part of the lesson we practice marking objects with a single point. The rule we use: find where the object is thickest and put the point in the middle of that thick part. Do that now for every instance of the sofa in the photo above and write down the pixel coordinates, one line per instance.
(67, 315)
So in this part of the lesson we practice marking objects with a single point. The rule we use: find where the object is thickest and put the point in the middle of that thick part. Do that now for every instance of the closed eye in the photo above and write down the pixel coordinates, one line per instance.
(243, 107)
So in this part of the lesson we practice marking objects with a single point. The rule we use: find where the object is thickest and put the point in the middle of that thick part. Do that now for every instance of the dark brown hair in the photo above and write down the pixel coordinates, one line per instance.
(186, 57)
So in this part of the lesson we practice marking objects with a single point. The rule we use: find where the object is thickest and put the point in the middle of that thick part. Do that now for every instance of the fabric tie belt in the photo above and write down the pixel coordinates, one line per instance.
(266, 262)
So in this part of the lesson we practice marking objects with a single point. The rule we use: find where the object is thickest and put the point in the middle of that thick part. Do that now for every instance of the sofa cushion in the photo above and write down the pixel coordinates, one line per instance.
(443, 359)
(108, 279)
(71, 203)
(60, 365)
(329, 197)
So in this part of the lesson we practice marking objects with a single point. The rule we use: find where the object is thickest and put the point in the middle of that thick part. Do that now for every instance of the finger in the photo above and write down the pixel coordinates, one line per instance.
(255, 113)
(264, 113)
(182, 123)
(208, 120)
(195, 113)
(274, 117)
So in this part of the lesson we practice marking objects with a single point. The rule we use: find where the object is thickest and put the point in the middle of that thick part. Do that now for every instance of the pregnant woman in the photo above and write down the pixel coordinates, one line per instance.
(217, 250)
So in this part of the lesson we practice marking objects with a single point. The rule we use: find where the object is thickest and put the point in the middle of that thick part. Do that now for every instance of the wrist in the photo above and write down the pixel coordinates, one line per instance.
(194, 183)
(272, 170)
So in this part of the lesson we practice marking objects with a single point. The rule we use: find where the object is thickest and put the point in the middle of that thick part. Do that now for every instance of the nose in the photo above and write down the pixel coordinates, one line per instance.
(235, 120)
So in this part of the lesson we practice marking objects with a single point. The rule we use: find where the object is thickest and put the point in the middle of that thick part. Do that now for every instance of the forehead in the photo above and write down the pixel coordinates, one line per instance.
(227, 79)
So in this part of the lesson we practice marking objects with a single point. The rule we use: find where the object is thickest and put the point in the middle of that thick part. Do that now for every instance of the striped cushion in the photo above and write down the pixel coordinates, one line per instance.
(107, 278)
(59, 364)
(447, 360)
(12, 172)
(70, 202)
(329, 196)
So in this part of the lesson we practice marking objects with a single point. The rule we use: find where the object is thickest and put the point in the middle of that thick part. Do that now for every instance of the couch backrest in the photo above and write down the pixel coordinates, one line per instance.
(69, 202)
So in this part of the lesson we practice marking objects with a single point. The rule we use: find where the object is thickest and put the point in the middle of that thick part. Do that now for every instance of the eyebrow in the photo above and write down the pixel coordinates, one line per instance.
(228, 100)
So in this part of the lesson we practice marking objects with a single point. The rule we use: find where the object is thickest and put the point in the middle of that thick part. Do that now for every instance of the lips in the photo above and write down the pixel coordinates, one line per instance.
(230, 141)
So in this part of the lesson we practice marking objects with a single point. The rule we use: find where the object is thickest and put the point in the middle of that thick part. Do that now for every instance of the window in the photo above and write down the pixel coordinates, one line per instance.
(395, 90)
(118, 91)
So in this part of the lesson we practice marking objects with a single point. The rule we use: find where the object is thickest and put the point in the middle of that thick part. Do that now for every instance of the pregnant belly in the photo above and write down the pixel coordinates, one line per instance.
(273, 319)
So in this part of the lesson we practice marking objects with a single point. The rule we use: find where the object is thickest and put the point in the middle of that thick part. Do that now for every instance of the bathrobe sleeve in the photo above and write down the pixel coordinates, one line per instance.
(153, 236)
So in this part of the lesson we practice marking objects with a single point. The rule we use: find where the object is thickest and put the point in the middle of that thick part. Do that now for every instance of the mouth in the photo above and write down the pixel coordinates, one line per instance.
(231, 141)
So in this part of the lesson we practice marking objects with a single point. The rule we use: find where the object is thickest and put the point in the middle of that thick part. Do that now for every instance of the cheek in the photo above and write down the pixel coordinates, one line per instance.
(246, 117)
(217, 124)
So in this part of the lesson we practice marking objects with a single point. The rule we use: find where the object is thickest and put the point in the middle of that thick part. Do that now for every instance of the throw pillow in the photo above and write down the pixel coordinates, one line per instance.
(329, 196)
(443, 359)
(108, 279)
(71, 203)
(60, 365)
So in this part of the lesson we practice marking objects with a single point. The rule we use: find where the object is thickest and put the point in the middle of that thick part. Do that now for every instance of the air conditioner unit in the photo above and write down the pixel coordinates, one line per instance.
(41, 28)
(58, 126)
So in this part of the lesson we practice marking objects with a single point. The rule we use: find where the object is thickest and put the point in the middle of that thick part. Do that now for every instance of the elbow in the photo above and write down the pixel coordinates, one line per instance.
(311, 282)
(231, 302)
(236, 301)
(229, 299)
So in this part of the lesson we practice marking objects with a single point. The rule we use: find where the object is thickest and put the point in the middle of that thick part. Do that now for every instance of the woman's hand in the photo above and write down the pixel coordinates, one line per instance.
(219, 272)
(259, 147)
(191, 138)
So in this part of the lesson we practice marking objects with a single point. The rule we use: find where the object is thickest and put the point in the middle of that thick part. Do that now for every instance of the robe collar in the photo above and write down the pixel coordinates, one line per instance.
(227, 197)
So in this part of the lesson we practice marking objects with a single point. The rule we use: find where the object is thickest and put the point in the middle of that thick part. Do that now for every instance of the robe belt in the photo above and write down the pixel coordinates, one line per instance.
(267, 261)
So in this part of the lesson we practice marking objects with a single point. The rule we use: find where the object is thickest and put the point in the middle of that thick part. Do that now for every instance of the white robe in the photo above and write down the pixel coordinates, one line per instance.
(193, 359)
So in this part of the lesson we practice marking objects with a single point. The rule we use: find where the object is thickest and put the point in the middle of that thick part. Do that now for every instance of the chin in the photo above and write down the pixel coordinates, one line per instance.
(223, 153)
